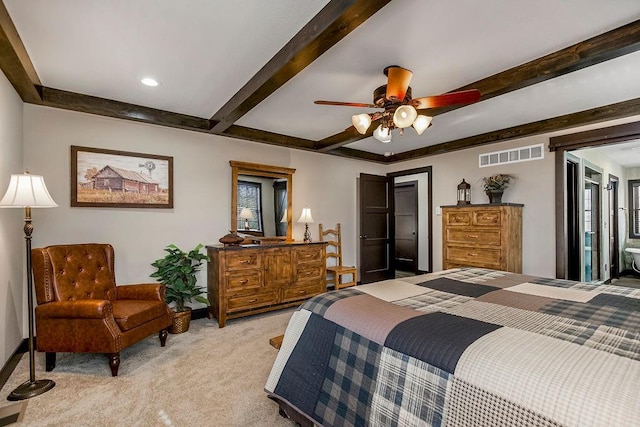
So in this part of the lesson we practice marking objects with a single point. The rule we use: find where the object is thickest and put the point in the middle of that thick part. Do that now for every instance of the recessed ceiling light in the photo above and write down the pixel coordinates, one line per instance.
(148, 81)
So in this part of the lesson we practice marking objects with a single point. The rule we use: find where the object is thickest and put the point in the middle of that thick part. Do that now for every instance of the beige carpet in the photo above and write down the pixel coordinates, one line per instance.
(206, 376)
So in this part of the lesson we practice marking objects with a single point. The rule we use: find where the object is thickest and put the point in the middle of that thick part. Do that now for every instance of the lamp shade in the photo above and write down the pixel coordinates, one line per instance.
(306, 217)
(382, 134)
(421, 123)
(246, 213)
(361, 122)
(404, 116)
(27, 191)
(284, 216)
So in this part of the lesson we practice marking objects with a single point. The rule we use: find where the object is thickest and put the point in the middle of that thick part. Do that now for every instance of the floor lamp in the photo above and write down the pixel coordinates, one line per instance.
(28, 191)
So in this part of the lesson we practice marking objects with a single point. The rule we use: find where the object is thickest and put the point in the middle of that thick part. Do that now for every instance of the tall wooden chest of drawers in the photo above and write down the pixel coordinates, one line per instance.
(245, 280)
(488, 236)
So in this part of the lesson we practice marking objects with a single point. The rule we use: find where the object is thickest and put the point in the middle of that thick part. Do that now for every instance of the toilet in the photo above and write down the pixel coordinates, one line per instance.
(635, 253)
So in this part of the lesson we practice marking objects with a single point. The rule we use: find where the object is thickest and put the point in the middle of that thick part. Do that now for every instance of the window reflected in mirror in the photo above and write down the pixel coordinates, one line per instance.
(261, 199)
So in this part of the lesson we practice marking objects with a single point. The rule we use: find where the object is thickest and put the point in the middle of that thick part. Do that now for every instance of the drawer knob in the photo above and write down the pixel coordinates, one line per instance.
(472, 236)
(473, 254)
(253, 300)
(243, 281)
(245, 261)
(302, 292)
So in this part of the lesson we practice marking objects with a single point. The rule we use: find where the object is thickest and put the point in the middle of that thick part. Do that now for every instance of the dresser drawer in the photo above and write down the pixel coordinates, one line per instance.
(251, 301)
(473, 256)
(487, 217)
(309, 254)
(458, 218)
(481, 237)
(301, 292)
(240, 281)
(309, 272)
(241, 260)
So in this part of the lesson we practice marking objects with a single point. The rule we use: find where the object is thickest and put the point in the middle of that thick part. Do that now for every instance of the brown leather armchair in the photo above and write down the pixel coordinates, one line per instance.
(81, 310)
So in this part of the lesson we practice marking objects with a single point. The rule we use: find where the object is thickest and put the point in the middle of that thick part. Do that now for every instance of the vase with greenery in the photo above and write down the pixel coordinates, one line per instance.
(495, 185)
(177, 271)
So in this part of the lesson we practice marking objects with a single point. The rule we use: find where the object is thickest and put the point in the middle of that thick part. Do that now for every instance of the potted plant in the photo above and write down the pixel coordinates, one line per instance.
(495, 185)
(177, 271)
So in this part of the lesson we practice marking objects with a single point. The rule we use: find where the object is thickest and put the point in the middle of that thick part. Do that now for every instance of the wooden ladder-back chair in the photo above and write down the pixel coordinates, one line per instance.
(335, 270)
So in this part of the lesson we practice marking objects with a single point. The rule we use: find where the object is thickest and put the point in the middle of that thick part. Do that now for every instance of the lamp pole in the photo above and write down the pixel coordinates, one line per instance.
(27, 191)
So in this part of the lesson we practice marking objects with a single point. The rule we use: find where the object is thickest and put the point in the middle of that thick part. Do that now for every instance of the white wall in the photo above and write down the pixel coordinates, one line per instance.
(202, 184)
(534, 187)
(13, 311)
(202, 187)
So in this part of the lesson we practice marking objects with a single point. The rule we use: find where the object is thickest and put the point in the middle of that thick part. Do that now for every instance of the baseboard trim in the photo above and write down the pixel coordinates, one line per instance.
(11, 364)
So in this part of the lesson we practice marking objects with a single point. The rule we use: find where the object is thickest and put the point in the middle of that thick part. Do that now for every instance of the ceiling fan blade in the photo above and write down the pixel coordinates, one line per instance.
(452, 98)
(345, 104)
(398, 82)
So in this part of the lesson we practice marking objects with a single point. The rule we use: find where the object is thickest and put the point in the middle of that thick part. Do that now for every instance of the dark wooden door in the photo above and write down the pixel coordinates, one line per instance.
(406, 226)
(376, 228)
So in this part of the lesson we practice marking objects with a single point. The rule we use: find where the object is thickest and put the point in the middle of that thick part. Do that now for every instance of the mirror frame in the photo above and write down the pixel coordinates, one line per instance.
(256, 169)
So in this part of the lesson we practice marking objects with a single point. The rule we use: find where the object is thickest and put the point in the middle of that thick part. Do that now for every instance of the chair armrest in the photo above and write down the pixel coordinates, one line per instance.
(78, 309)
(145, 291)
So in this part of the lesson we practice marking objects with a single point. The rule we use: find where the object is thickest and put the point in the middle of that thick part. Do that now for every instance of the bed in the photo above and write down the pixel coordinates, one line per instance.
(461, 347)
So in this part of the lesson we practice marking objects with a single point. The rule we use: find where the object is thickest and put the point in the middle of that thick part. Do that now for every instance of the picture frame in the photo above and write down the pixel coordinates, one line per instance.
(120, 179)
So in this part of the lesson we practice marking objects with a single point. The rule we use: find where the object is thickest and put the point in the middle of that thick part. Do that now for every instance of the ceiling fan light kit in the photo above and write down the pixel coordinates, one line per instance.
(361, 122)
(400, 109)
(382, 134)
(404, 116)
(421, 123)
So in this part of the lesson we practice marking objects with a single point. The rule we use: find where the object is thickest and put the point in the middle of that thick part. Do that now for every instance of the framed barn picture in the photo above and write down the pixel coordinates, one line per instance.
(120, 179)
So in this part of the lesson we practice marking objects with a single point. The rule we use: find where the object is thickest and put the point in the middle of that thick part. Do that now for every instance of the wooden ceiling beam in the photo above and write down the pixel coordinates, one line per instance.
(15, 62)
(121, 110)
(352, 153)
(257, 135)
(334, 22)
(606, 46)
(594, 115)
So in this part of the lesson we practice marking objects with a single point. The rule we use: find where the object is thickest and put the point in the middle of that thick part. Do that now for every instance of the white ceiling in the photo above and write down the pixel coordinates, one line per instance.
(203, 52)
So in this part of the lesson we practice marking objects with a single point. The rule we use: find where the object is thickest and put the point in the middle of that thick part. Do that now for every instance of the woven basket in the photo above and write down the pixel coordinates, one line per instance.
(180, 323)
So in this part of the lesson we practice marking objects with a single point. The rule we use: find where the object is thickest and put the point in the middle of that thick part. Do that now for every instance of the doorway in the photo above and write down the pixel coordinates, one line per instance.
(614, 229)
(603, 250)
(592, 224)
(406, 229)
(377, 223)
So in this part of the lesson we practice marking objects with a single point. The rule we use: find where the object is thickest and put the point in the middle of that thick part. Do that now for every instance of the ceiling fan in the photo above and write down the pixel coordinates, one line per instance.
(400, 109)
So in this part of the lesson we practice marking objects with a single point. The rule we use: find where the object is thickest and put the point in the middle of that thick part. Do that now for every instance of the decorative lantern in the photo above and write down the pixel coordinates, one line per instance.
(464, 193)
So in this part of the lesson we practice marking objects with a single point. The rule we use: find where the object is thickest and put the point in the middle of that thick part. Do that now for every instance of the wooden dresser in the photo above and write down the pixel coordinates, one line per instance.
(488, 236)
(250, 279)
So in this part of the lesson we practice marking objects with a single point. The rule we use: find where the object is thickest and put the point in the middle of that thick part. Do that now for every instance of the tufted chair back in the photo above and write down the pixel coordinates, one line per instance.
(74, 272)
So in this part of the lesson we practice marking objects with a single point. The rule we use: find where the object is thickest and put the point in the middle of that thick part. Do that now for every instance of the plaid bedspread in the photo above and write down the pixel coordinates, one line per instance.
(464, 347)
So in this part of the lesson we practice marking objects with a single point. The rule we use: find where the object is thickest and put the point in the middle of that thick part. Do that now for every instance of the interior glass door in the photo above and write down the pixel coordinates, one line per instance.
(592, 232)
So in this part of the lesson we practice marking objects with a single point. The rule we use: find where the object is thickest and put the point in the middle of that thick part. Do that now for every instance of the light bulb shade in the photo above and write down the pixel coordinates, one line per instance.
(27, 191)
(246, 213)
(361, 122)
(382, 134)
(404, 116)
(306, 217)
(421, 123)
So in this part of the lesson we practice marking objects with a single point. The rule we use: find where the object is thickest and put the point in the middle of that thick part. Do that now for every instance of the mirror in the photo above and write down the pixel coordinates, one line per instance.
(261, 199)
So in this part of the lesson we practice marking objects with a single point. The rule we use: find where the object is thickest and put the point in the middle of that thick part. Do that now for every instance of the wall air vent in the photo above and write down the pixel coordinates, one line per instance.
(522, 154)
